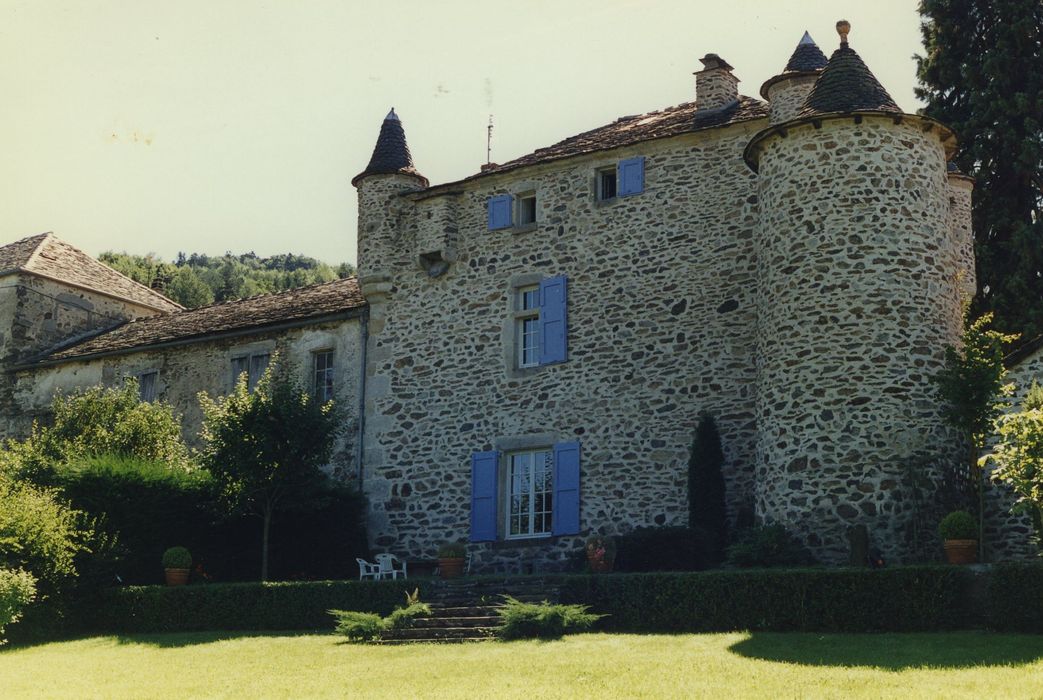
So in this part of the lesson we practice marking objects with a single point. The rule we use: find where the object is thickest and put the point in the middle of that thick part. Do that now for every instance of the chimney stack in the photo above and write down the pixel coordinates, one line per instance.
(715, 86)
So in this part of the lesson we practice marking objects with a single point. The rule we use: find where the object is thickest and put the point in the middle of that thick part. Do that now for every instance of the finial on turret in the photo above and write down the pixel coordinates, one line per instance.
(392, 116)
(806, 39)
(843, 27)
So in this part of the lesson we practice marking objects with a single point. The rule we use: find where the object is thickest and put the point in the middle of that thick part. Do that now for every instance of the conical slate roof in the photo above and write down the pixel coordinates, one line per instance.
(806, 57)
(847, 85)
(391, 154)
(807, 60)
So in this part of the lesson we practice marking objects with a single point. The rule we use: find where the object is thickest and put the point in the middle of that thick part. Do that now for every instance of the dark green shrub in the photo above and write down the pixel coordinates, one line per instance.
(767, 546)
(542, 620)
(17, 590)
(958, 525)
(908, 599)
(402, 618)
(1015, 597)
(233, 606)
(706, 497)
(452, 550)
(664, 549)
(359, 626)
(177, 558)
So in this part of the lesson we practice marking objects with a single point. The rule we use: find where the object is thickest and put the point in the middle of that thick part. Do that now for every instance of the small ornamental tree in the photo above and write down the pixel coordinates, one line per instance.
(1018, 456)
(706, 506)
(266, 447)
(971, 387)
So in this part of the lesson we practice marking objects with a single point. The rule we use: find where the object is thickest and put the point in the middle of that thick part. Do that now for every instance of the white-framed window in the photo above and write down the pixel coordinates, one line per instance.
(526, 204)
(530, 492)
(253, 365)
(322, 375)
(147, 386)
(606, 184)
(527, 331)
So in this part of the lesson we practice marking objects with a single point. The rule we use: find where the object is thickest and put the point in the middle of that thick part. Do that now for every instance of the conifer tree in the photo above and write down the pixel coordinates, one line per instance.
(706, 508)
(982, 75)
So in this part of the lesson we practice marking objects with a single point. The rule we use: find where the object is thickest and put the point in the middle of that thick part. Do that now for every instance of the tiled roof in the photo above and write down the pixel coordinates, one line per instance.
(847, 85)
(806, 57)
(48, 256)
(195, 324)
(391, 154)
(633, 129)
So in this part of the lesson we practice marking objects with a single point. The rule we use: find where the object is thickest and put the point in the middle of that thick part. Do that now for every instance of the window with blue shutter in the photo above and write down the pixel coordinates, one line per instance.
(500, 212)
(631, 176)
(484, 480)
(553, 320)
(565, 520)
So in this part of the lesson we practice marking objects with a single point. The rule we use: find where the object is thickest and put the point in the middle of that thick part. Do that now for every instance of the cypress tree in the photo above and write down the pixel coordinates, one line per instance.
(706, 509)
(982, 74)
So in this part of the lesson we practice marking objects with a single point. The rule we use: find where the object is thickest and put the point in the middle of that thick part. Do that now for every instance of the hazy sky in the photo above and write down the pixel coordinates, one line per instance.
(214, 125)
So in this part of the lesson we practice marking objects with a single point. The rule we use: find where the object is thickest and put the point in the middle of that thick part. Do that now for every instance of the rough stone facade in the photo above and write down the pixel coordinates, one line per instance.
(786, 97)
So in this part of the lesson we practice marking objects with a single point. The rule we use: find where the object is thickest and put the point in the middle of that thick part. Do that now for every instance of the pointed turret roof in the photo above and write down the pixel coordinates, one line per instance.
(391, 154)
(806, 59)
(847, 85)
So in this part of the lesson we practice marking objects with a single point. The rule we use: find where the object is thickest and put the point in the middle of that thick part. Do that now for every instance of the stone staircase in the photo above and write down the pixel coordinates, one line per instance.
(465, 610)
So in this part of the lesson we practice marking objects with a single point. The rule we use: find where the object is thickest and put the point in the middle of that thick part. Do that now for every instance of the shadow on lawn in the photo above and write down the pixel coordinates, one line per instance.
(165, 640)
(894, 652)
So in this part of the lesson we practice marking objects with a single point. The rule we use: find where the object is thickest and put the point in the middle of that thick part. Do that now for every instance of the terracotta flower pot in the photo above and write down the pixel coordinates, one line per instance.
(176, 577)
(451, 568)
(961, 551)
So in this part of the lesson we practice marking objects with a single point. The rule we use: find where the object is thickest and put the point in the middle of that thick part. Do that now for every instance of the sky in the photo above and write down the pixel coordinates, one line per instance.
(234, 125)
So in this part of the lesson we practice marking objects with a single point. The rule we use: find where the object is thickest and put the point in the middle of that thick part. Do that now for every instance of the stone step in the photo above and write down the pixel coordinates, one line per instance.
(463, 611)
(440, 633)
(447, 621)
(452, 640)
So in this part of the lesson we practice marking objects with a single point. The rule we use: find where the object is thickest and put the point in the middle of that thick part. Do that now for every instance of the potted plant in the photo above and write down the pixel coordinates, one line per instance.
(601, 553)
(959, 533)
(177, 563)
(451, 559)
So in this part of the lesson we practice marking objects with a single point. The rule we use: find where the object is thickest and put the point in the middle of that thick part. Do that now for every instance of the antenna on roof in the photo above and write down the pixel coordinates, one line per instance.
(489, 141)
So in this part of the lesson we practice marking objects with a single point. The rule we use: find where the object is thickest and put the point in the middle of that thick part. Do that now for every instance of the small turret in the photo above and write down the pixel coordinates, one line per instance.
(787, 91)
(391, 154)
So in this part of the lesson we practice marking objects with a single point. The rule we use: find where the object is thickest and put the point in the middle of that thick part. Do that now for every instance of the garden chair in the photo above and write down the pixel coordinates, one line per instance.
(368, 569)
(387, 566)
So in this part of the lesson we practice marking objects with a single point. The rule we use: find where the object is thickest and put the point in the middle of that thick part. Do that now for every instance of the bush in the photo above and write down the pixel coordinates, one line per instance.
(402, 618)
(359, 626)
(664, 549)
(17, 590)
(177, 558)
(767, 546)
(958, 525)
(452, 550)
(542, 620)
(233, 606)
(909, 599)
(706, 489)
(1015, 597)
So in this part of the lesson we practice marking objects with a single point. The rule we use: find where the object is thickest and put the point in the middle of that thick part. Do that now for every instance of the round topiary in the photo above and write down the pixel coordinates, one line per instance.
(958, 525)
(177, 558)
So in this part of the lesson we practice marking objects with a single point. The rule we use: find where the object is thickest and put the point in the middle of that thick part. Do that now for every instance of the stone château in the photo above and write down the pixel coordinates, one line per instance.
(526, 351)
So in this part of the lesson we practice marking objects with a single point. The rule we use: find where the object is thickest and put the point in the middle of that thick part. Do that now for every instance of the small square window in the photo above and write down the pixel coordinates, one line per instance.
(606, 184)
(252, 365)
(526, 209)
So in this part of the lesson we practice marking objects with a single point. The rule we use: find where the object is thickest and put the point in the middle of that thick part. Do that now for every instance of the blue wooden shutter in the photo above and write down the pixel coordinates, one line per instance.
(484, 480)
(565, 508)
(499, 212)
(632, 176)
(553, 320)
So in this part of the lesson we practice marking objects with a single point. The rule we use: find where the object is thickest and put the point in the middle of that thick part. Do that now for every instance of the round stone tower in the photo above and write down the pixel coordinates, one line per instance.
(390, 173)
(787, 91)
(858, 297)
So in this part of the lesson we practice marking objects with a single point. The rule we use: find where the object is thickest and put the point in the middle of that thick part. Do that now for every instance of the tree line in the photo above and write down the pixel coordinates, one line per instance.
(197, 280)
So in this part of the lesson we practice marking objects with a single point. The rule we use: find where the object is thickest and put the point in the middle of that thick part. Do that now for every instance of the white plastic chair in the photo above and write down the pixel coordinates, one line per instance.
(386, 562)
(368, 569)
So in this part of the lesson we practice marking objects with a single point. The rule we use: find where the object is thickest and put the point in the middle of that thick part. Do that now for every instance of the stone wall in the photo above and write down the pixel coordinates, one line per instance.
(787, 97)
(857, 301)
(661, 317)
(961, 190)
(37, 314)
(186, 370)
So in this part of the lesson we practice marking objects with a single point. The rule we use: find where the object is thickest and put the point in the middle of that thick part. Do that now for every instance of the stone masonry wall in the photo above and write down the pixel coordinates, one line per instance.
(961, 190)
(186, 370)
(787, 97)
(858, 300)
(661, 311)
(37, 314)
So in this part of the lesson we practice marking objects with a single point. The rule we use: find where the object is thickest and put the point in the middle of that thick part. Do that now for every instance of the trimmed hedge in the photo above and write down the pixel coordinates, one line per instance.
(920, 598)
(236, 606)
(1015, 597)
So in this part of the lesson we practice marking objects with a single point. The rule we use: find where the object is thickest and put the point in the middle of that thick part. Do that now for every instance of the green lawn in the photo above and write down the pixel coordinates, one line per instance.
(229, 665)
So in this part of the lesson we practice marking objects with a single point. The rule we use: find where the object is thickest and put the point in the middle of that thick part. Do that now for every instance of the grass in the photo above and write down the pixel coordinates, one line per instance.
(231, 665)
